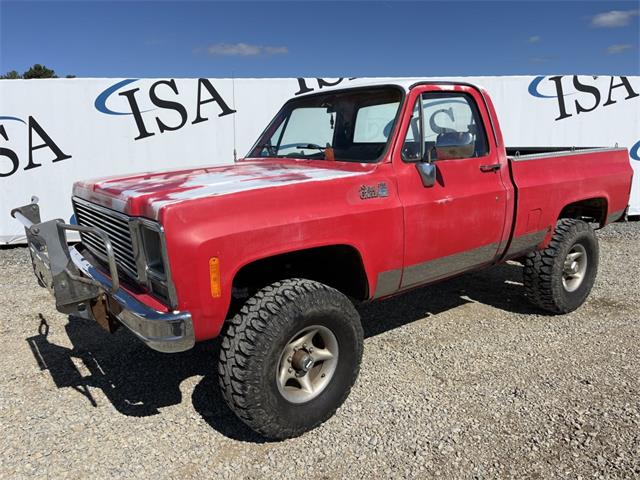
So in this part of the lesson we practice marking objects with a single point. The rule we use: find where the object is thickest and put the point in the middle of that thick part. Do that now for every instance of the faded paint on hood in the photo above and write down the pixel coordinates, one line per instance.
(146, 194)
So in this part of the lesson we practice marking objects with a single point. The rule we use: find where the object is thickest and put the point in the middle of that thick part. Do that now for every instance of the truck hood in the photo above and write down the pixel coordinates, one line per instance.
(147, 194)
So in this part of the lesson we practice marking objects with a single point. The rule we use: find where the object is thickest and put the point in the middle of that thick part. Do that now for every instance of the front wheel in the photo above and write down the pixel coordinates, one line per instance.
(560, 277)
(289, 358)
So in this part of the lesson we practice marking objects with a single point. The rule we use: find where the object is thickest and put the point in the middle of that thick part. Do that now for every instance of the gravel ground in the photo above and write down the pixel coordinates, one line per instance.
(459, 380)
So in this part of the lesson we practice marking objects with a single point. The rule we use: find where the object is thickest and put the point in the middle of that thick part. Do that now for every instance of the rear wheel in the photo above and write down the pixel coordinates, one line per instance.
(560, 277)
(289, 358)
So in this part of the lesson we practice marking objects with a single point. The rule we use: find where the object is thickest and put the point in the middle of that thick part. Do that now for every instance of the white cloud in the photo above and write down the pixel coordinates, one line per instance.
(613, 18)
(618, 48)
(244, 49)
(534, 38)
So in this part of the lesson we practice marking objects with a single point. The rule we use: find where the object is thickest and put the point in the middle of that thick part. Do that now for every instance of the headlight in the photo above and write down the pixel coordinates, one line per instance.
(156, 265)
(152, 244)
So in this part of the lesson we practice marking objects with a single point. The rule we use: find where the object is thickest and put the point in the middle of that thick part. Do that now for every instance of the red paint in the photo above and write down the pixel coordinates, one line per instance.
(262, 207)
(466, 208)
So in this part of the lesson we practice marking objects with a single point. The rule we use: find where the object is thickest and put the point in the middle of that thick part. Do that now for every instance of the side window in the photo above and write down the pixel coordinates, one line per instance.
(452, 125)
(447, 127)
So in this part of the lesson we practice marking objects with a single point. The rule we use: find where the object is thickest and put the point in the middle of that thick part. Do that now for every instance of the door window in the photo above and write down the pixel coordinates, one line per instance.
(451, 128)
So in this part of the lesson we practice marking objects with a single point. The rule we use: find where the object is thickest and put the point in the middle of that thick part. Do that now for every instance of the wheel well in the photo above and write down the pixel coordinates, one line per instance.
(338, 266)
(593, 209)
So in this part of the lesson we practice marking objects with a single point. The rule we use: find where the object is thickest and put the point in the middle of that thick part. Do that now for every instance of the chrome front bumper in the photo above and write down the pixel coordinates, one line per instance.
(77, 284)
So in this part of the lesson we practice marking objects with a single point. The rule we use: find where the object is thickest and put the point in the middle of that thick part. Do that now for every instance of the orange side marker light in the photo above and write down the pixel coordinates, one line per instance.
(214, 277)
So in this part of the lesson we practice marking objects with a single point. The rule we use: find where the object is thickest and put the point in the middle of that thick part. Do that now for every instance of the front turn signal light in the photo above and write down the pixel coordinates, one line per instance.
(214, 277)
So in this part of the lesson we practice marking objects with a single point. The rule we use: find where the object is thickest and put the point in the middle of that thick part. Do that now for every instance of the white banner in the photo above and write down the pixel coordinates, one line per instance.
(54, 132)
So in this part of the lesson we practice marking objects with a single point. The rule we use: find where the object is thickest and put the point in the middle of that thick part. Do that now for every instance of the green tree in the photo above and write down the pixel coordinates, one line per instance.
(12, 75)
(39, 71)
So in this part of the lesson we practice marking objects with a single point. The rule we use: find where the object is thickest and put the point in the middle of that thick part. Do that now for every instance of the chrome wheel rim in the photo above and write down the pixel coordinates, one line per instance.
(575, 268)
(307, 364)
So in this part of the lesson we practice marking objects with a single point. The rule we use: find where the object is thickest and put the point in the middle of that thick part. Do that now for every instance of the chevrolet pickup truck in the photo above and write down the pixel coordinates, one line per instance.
(348, 196)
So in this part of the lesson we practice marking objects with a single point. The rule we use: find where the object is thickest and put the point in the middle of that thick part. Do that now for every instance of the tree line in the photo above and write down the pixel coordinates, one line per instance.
(36, 71)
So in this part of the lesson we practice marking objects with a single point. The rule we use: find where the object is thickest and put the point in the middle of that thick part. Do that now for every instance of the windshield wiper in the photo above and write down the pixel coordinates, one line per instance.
(311, 146)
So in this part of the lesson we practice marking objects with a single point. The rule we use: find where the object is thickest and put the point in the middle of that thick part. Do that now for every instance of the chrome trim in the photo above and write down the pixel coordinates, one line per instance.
(75, 283)
(141, 275)
(138, 252)
(162, 331)
(89, 215)
(113, 267)
(166, 280)
(541, 156)
(47, 242)
(100, 208)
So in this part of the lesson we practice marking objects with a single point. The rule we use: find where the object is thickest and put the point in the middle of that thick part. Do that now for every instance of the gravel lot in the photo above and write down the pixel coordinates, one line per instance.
(459, 380)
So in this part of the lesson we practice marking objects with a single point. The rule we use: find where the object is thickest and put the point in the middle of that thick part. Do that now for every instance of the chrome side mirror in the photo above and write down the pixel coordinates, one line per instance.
(453, 145)
(427, 171)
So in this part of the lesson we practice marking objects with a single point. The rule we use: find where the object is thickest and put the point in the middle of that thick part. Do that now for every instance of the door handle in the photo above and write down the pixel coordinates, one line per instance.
(490, 168)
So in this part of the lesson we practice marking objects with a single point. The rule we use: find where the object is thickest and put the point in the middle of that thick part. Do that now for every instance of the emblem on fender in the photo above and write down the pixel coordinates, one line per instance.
(374, 191)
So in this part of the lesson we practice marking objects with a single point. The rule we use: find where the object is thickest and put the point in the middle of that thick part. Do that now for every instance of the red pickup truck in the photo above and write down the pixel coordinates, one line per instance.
(348, 196)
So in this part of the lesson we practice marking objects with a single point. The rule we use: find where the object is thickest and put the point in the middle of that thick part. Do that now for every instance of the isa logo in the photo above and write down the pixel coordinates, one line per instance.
(164, 96)
(577, 95)
(635, 151)
(40, 145)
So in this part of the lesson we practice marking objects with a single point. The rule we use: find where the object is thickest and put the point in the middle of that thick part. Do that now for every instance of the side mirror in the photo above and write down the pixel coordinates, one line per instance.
(427, 171)
(452, 145)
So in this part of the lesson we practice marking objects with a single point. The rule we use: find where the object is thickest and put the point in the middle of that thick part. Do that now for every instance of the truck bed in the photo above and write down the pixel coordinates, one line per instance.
(549, 180)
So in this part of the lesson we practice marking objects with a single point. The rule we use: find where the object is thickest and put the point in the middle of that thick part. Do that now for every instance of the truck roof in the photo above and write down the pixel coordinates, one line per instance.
(405, 83)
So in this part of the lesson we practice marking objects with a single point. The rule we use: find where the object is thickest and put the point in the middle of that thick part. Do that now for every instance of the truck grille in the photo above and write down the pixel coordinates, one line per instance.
(115, 225)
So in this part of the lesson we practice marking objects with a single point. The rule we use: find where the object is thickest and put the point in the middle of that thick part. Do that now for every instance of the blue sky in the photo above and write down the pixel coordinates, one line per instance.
(323, 39)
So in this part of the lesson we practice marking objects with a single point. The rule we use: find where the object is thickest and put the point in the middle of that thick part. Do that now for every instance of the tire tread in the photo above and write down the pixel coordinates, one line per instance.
(538, 272)
(254, 321)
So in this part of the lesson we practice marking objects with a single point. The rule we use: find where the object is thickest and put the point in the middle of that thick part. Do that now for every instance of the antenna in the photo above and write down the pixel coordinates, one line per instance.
(233, 99)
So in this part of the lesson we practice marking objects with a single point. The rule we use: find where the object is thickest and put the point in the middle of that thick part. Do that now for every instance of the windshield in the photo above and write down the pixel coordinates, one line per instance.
(349, 126)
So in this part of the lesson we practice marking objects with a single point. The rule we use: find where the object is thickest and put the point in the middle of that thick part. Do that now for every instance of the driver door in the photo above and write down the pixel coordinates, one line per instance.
(458, 223)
